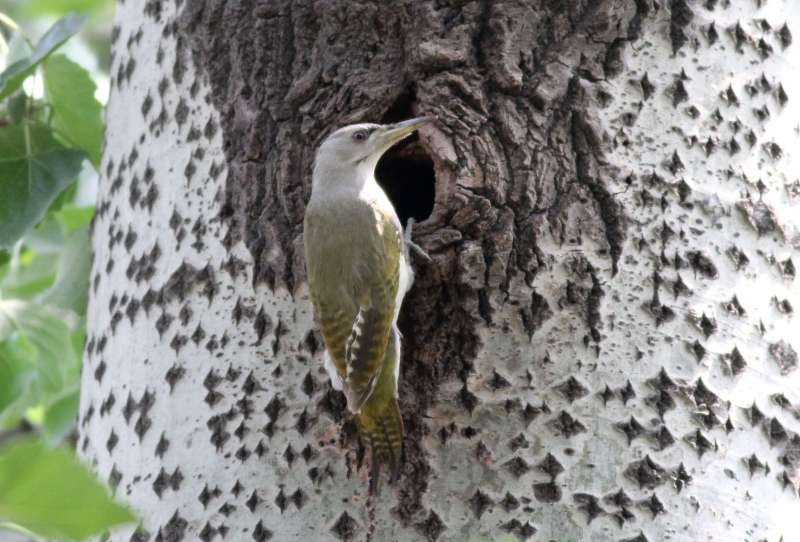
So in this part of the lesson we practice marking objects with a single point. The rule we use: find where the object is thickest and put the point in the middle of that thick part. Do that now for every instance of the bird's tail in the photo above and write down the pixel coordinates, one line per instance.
(382, 427)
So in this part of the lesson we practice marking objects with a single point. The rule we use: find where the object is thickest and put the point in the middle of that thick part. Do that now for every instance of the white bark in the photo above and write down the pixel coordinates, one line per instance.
(201, 398)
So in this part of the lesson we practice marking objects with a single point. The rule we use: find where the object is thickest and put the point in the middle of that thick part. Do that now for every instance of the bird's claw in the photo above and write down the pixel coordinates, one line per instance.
(418, 250)
(411, 244)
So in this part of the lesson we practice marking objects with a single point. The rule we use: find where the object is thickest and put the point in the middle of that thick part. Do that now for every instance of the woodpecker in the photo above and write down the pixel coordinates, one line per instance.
(357, 261)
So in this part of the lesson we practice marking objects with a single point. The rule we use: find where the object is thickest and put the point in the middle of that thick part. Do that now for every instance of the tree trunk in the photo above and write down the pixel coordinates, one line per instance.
(601, 347)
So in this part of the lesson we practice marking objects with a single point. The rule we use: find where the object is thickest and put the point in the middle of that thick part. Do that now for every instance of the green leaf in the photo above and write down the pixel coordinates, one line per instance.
(37, 8)
(18, 48)
(57, 364)
(13, 76)
(17, 372)
(71, 287)
(48, 235)
(30, 273)
(60, 416)
(77, 115)
(17, 105)
(71, 217)
(50, 493)
(51, 262)
(34, 169)
(64, 198)
(39, 366)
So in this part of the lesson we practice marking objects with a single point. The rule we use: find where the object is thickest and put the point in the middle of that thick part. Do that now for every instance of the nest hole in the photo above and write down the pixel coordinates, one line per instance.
(406, 172)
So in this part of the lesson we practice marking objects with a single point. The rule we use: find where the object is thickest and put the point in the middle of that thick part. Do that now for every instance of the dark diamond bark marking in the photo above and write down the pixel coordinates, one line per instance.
(784, 355)
(479, 502)
(646, 473)
(572, 389)
(547, 492)
(517, 466)
(566, 425)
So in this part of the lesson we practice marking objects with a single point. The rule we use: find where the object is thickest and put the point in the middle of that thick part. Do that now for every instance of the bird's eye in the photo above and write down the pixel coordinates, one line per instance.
(360, 135)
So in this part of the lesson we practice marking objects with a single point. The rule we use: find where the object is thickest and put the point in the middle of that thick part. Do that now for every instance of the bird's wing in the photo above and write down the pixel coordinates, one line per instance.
(336, 324)
(353, 283)
(376, 297)
(327, 262)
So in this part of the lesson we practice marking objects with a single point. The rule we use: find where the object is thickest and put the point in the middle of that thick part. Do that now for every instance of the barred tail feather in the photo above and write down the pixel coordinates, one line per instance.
(382, 427)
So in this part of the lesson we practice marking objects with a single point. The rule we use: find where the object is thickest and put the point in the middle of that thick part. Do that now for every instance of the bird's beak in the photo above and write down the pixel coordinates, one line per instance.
(395, 132)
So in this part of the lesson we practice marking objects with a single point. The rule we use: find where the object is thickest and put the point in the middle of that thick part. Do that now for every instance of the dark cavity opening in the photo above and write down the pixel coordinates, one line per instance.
(406, 172)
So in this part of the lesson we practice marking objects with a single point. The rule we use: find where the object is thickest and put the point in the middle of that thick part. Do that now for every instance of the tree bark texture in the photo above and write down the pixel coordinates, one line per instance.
(602, 346)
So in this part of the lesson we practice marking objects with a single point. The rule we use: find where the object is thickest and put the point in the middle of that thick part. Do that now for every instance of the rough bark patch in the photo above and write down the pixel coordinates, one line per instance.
(502, 157)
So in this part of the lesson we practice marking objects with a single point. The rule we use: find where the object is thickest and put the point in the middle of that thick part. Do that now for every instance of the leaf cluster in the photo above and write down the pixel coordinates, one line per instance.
(50, 136)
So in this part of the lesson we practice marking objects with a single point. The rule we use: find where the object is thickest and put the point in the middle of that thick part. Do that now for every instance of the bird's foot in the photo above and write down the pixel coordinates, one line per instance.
(412, 244)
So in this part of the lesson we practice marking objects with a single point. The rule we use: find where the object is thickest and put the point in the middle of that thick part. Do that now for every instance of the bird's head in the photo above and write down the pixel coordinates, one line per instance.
(354, 150)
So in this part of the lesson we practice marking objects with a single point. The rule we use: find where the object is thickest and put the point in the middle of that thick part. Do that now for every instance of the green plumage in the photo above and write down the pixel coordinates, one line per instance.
(354, 278)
